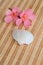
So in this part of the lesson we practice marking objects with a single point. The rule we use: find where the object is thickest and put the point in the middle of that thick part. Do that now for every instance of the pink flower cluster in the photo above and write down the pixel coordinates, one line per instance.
(19, 17)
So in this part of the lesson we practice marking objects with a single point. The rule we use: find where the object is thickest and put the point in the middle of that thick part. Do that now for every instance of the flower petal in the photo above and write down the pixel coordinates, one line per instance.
(15, 19)
(27, 23)
(8, 19)
(8, 12)
(15, 9)
(32, 16)
(22, 13)
(29, 11)
(18, 22)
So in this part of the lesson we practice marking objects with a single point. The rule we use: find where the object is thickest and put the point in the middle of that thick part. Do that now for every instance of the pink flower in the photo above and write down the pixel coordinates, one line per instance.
(26, 17)
(11, 14)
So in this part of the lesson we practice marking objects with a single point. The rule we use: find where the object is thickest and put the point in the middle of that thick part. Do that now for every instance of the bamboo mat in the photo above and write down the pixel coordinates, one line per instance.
(10, 52)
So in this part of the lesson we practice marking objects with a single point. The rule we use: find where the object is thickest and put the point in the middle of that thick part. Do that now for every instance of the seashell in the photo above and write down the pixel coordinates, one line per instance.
(22, 36)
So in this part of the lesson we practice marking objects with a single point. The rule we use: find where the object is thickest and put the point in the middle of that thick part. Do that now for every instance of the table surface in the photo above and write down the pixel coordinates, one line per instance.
(10, 52)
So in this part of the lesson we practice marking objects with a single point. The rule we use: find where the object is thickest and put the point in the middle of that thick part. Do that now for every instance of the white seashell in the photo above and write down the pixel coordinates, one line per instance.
(23, 36)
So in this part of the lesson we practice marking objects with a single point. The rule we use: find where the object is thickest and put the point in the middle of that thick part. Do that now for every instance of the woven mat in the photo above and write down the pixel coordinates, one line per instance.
(10, 52)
